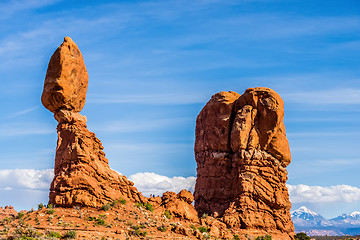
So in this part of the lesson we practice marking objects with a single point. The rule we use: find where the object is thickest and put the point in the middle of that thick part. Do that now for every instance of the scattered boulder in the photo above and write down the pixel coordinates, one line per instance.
(82, 174)
(180, 205)
(242, 152)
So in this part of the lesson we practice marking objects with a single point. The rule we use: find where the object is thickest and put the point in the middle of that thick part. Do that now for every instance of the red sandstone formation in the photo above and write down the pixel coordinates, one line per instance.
(242, 152)
(8, 211)
(82, 174)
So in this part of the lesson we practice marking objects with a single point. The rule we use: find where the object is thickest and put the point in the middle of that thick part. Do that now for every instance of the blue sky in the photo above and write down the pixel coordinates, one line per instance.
(154, 64)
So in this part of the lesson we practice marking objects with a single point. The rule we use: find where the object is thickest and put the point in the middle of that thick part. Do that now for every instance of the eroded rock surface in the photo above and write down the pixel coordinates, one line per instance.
(82, 174)
(242, 152)
(7, 212)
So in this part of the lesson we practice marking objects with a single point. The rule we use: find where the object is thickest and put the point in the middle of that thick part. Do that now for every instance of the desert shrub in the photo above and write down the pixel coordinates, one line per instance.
(28, 233)
(137, 232)
(203, 229)
(40, 206)
(236, 237)
(50, 206)
(106, 207)
(70, 234)
(20, 215)
(302, 236)
(91, 218)
(162, 228)
(167, 214)
(122, 201)
(149, 207)
(54, 234)
(50, 211)
(266, 237)
(139, 204)
(99, 221)
(206, 235)
(205, 215)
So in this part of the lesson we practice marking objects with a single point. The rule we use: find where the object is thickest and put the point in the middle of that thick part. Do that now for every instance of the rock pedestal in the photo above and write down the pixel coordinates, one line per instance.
(82, 174)
(242, 152)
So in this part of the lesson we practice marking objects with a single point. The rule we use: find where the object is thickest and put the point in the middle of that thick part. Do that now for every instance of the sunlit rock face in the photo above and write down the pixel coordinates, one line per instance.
(242, 151)
(82, 174)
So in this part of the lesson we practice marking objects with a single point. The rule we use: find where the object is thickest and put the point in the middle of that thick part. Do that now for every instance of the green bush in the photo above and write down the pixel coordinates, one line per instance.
(236, 237)
(302, 236)
(40, 206)
(266, 237)
(122, 201)
(99, 221)
(203, 229)
(167, 214)
(70, 234)
(21, 215)
(149, 207)
(50, 211)
(139, 204)
(91, 218)
(54, 234)
(138, 233)
(106, 207)
(50, 206)
(162, 228)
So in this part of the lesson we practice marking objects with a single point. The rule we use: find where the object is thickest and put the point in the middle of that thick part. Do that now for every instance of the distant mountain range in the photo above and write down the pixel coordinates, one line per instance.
(313, 224)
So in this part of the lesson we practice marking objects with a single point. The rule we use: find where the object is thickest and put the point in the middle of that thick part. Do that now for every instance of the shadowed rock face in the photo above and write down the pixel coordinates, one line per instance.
(242, 152)
(82, 174)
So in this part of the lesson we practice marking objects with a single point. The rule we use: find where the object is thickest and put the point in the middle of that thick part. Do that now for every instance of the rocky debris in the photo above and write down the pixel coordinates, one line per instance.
(242, 152)
(8, 211)
(82, 174)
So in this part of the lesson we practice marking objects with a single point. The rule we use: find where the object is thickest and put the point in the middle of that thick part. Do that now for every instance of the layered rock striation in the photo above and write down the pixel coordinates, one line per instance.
(242, 152)
(82, 174)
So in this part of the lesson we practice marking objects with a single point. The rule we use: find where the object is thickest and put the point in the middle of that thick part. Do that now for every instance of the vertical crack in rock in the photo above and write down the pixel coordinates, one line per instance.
(242, 152)
(82, 174)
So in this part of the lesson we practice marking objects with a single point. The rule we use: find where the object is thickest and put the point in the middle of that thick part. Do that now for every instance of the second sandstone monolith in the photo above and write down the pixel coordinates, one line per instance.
(242, 152)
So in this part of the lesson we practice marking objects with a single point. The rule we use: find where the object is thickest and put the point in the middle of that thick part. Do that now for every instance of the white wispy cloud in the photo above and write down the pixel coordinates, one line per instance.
(26, 179)
(22, 112)
(322, 134)
(158, 99)
(325, 97)
(318, 194)
(22, 129)
(152, 183)
(8, 8)
(141, 125)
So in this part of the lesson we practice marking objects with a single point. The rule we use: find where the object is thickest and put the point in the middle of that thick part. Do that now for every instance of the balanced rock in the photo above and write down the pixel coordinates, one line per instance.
(82, 174)
(242, 152)
(66, 79)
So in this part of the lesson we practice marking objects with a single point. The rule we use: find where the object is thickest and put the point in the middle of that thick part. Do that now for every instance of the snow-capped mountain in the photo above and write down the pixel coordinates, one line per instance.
(306, 220)
(348, 219)
(305, 217)
(305, 213)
